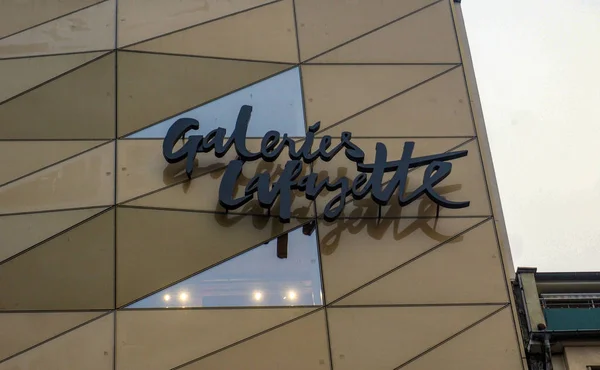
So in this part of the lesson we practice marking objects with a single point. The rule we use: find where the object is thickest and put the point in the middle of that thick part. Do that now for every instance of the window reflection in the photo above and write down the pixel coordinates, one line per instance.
(276, 102)
(259, 277)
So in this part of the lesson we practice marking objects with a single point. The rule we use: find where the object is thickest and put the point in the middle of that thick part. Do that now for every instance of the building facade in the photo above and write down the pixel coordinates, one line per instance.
(559, 314)
(122, 248)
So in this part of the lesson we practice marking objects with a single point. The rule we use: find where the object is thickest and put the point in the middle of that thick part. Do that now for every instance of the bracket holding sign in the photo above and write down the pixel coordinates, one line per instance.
(368, 181)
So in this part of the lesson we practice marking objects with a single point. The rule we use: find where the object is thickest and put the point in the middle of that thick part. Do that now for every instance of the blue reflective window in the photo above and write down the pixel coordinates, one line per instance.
(276, 102)
(281, 272)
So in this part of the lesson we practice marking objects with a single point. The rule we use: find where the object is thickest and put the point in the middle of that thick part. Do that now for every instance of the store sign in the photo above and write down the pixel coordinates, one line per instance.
(369, 180)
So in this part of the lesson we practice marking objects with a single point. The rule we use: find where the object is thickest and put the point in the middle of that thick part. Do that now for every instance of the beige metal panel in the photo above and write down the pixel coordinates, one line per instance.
(19, 232)
(483, 141)
(265, 33)
(17, 16)
(89, 29)
(21, 331)
(157, 248)
(300, 345)
(158, 340)
(465, 182)
(323, 25)
(425, 37)
(465, 272)
(143, 169)
(380, 338)
(202, 193)
(489, 345)
(74, 271)
(439, 107)
(19, 75)
(20, 158)
(370, 249)
(89, 347)
(144, 19)
(86, 180)
(78, 105)
(579, 358)
(335, 92)
(154, 87)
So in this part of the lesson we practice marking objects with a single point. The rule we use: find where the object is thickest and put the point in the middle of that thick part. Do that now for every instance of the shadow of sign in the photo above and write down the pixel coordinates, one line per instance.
(361, 218)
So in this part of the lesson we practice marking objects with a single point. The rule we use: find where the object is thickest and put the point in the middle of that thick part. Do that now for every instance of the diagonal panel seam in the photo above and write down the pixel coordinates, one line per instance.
(411, 305)
(404, 137)
(417, 257)
(59, 75)
(383, 217)
(452, 336)
(199, 24)
(373, 30)
(382, 64)
(55, 163)
(291, 66)
(63, 139)
(272, 61)
(57, 234)
(58, 54)
(258, 215)
(217, 308)
(55, 210)
(55, 336)
(52, 20)
(317, 309)
(454, 66)
(211, 266)
(207, 57)
(57, 310)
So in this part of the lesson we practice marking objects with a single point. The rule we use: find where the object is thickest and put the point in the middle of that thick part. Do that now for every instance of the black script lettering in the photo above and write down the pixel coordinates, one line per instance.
(229, 185)
(282, 188)
(268, 144)
(329, 212)
(239, 135)
(272, 145)
(353, 152)
(214, 140)
(176, 132)
(434, 174)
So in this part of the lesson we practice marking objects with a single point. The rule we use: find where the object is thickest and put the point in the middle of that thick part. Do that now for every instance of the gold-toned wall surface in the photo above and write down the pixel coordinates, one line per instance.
(112, 259)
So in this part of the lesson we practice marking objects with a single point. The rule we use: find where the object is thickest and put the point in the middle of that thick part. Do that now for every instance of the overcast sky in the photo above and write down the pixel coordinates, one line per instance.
(537, 64)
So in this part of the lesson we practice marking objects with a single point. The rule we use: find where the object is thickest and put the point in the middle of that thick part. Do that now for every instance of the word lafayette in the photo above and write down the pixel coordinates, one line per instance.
(272, 145)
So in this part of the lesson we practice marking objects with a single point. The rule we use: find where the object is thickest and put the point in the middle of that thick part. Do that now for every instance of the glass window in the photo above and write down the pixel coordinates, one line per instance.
(276, 105)
(282, 272)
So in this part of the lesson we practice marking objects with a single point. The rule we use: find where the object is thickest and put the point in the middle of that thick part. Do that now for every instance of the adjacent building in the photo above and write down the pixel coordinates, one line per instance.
(122, 248)
(560, 318)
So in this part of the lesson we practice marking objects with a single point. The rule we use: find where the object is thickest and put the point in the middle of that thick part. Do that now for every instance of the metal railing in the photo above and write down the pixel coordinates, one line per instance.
(583, 300)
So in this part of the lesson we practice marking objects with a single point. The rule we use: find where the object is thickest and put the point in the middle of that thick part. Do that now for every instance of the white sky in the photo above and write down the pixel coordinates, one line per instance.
(537, 64)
